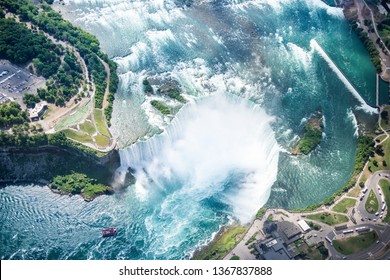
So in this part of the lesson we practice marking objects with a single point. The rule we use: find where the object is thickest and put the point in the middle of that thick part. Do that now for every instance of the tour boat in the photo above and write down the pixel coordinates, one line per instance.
(108, 232)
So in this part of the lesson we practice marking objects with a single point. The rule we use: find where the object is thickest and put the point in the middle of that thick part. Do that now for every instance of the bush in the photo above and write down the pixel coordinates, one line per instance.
(161, 107)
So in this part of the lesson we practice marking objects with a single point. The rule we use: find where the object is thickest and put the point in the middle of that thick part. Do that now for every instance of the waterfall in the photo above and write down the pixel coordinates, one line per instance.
(221, 147)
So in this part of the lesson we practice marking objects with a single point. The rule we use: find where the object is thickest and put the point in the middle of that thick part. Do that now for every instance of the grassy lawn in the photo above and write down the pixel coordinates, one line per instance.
(372, 203)
(74, 118)
(344, 205)
(102, 141)
(355, 244)
(379, 159)
(100, 122)
(223, 244)
(355, 191)
(328, 218)
(78, 136)
(88, 127)
(385, 185)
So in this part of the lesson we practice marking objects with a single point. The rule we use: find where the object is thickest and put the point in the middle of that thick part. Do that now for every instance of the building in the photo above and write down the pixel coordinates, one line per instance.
(304, 226)
(37, 112)
(273, 249)
(289, 232)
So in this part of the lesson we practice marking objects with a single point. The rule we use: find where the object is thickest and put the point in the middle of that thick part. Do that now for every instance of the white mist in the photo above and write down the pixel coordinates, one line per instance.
(221, 146)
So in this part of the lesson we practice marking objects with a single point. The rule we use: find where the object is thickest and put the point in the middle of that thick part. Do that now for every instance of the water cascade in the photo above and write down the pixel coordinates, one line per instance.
(221, 146)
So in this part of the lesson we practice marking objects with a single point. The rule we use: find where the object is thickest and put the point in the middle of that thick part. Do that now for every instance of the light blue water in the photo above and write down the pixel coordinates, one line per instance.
(253, 76)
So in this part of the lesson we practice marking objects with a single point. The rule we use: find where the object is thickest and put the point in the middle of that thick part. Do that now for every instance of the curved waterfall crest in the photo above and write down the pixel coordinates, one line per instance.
(220, 146)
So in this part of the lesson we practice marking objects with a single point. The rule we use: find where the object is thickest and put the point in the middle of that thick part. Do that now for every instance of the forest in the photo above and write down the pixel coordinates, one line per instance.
(59, 89)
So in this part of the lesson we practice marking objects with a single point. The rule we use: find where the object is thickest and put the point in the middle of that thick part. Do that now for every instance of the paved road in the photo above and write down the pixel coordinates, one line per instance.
(372, 184)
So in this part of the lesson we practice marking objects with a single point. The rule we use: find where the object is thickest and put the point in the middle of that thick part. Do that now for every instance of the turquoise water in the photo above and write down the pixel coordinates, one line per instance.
(253, 71)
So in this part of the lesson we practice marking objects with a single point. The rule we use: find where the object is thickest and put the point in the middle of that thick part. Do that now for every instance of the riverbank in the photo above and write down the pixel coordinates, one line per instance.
(370, 24)
(43, 164)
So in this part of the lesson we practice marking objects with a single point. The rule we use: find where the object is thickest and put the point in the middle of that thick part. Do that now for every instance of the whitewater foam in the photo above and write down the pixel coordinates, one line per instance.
(351, 116)
(208, 152)
(367, 108)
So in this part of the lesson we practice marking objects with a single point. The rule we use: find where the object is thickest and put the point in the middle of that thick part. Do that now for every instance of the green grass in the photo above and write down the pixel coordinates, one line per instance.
(223, 244)
(355, 191)
(328, 218)
(78, 136)
(380, 158)
(100, 122)
(355, 244)
(261, 213)
(344, 205)
(102, 141)
(372, 204)
(235, 258)
(75, 118)
(88, 127)
(385, 185)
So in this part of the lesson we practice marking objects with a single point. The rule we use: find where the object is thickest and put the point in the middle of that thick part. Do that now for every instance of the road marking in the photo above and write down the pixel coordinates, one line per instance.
(6, 79)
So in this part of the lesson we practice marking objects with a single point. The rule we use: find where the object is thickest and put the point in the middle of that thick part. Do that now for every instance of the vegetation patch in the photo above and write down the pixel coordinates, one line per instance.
(260, 213)
(385, 185)
(344, 205)
(316, 252)
(164, 109)
(252, 239)
(174, 94)
(313, 226)
(88, 127)
(74, 118)
(312, 135)
(100, 123)
(12, 114)
(78, 183)
(374, 54)
(372, 204)
(355, 244)
(78, 136)
(101, 140)
(222, 244)
(328, 218)
(354, 192)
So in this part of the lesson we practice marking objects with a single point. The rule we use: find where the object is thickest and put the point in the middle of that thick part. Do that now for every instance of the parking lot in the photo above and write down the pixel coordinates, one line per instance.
(16, 81)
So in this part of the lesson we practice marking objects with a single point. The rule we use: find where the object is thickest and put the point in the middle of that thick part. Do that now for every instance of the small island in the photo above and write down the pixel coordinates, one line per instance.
(312, 135)
(77, 183)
